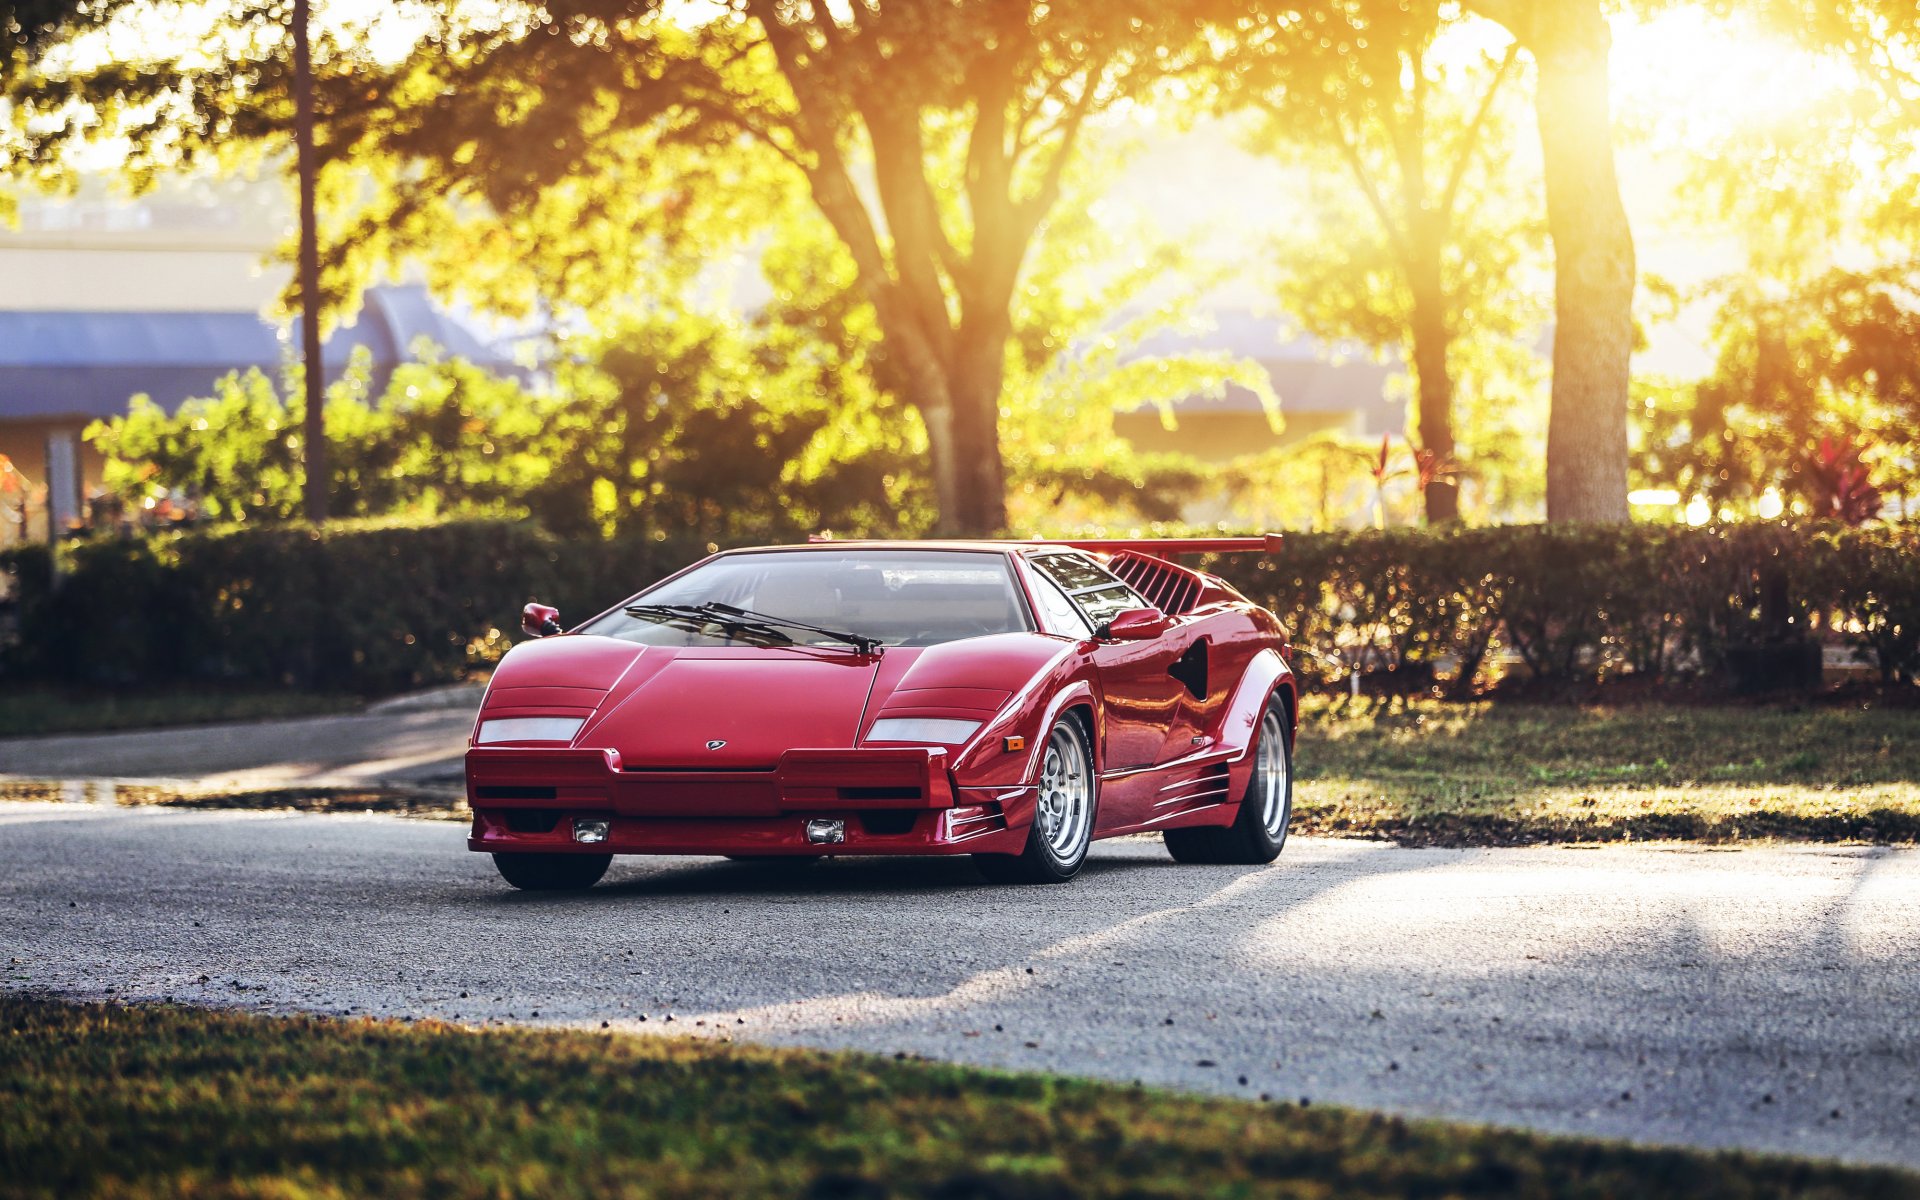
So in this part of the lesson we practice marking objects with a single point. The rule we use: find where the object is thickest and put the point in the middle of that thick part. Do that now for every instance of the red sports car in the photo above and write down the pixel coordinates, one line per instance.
(1009, 700)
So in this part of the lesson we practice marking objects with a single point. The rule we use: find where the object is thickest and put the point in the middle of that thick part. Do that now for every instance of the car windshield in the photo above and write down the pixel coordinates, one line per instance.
(895, 597)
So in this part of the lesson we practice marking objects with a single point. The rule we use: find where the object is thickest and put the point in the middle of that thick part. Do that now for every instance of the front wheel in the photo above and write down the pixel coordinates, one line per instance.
(1260, 829)
(1063, 813)
(552, 872)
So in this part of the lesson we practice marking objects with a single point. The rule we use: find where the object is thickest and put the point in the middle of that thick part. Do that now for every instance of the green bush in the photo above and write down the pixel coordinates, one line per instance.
(368, 609)
(1581, 602)
(374, 608)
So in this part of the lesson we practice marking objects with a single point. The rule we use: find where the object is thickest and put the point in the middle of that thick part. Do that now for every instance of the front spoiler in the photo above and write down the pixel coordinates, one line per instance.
(893, 800)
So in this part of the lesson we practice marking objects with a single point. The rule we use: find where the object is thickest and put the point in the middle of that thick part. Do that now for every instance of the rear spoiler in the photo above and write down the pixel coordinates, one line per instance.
(1170, 549)
(1165, 549)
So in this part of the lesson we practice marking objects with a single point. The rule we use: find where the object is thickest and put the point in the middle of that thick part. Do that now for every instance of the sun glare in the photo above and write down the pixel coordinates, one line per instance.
(1686, 78)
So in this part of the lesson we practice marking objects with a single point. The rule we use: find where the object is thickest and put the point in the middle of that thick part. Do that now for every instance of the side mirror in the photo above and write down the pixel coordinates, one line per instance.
(1134, 625)
(539, 620)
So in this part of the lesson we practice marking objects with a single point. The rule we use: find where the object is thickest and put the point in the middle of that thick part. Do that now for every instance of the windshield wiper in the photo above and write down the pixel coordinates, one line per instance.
(699, 616)
(859, 641)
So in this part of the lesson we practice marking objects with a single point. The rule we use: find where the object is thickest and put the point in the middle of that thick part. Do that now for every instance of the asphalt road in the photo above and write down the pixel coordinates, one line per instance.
(1765, 998)
(415, 741)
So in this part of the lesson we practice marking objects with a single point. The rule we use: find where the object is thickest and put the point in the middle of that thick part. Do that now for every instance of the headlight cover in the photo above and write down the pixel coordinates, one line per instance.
(943, 731)
(529, 729)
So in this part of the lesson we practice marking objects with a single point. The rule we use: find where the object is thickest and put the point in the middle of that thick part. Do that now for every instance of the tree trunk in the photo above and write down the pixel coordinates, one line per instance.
(975, 382)
(1433, 380)
(314, 367)
(1593, 268)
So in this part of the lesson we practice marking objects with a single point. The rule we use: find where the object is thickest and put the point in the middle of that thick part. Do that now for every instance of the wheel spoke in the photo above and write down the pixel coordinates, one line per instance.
(1064, 812)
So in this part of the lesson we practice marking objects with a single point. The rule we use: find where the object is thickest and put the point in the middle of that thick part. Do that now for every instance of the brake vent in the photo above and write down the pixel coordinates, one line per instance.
(1168, 588)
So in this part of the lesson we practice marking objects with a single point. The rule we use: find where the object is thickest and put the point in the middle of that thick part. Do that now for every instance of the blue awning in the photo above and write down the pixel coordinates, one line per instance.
(90, 364)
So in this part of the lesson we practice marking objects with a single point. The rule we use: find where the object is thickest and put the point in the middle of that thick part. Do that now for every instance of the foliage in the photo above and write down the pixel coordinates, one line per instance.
(677, 423)
(1588, 602)
(373, 608)
(441, 437)
(362, 608)
(1808, 373)
(586, 153)
(110, 1100)
(1815, 326)
(1391, 115)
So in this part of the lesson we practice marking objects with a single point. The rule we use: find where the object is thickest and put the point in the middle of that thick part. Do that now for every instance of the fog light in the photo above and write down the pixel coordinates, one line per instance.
(820, 831)
(591, 831)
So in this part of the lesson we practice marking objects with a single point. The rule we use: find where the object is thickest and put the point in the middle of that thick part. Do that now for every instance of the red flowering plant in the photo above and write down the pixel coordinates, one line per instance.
(1840, 483)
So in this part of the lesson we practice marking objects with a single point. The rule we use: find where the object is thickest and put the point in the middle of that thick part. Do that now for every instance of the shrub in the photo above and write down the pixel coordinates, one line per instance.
(352, 608)
(1580, 602)
(373, 608)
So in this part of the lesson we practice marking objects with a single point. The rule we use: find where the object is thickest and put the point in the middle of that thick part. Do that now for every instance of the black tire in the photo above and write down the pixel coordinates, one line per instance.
(1259, 830)
(552, 872)
(1056, 848)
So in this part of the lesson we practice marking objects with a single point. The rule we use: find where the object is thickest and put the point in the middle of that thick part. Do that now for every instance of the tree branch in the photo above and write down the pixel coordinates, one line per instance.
(1351, 153)
(1470, 141)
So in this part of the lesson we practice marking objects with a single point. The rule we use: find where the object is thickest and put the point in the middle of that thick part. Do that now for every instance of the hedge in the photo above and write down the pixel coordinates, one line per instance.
(1583, 602)
(364, 609)
(375, 609)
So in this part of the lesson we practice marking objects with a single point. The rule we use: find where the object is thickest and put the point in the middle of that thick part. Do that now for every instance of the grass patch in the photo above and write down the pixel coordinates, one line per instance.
(1497, 774)
(27, 709)
(100, 1100)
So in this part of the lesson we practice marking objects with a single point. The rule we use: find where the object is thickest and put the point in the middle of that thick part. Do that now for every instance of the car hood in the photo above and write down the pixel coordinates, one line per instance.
(741, 707)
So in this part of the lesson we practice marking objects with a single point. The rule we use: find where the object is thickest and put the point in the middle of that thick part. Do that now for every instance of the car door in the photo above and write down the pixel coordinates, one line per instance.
(1142, 696)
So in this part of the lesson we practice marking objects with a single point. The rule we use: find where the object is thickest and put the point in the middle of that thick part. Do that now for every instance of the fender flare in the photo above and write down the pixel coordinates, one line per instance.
(1265, 676)
(1071, 695)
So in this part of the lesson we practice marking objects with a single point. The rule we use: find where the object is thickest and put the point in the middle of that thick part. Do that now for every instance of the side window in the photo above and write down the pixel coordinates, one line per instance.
(1096, 593)
(1057, 613)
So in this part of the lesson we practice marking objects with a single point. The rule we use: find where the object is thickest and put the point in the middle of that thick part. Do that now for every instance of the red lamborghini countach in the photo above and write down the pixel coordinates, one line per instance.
(1009, 700)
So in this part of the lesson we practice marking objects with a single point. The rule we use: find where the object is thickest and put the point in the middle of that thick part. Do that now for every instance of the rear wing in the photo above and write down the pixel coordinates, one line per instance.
(1169, 549)
(1164, 549)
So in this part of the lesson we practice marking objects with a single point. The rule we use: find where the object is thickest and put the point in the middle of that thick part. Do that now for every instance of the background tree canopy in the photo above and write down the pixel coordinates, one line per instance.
(950, 318)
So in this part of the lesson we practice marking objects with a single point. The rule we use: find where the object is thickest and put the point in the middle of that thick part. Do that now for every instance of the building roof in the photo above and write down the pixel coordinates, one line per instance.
(89, 364)
(1308, 376)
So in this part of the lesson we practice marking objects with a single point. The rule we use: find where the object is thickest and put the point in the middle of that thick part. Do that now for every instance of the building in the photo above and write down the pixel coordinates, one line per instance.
(107, 298)
(1319, 392)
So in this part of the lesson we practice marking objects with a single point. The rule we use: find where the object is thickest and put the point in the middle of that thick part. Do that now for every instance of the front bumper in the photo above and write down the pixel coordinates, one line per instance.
(893, 800)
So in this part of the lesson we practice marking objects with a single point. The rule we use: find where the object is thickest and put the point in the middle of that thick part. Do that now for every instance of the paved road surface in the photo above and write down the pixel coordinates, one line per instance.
(417, 740)
(1766, 998)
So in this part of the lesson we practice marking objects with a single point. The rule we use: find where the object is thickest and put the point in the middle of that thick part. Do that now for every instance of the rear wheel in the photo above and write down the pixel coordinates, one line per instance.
(1260, 829)
(1062, 829)
(552, 872)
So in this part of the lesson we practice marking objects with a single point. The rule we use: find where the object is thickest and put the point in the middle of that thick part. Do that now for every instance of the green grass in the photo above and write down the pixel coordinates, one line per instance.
(160, 1101)
(27, 709)
(1489, 773)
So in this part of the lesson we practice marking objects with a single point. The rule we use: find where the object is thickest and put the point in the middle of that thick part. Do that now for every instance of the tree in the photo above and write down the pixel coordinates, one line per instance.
(932, 136)
(1593, 254)
(1364, 88)
(1815, 328)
